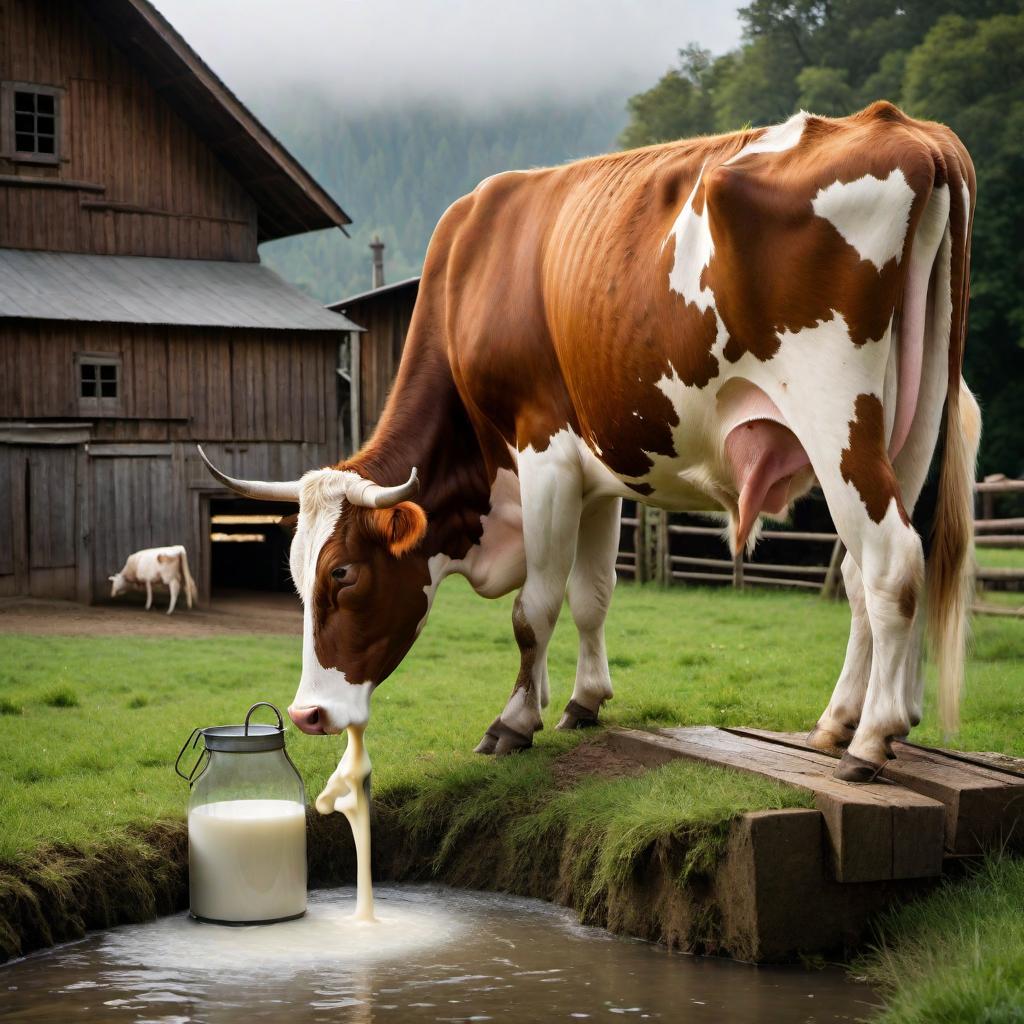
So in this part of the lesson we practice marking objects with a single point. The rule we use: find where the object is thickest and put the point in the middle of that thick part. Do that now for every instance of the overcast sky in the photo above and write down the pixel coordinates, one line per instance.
(479, 51)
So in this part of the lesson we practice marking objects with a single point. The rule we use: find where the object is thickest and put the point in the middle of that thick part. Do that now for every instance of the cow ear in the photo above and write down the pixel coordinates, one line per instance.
(401, 527)
(111, 578)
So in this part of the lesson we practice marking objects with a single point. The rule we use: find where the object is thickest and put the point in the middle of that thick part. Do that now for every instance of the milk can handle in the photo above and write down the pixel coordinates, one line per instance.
(191, 741)
(264, 704)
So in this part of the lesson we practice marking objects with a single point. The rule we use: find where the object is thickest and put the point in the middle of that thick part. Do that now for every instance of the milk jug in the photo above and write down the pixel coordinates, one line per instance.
(246, 825)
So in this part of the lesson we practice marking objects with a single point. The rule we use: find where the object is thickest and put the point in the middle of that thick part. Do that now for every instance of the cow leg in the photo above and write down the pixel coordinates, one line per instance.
(174, 586)
(551, 489)
(149, 595)
(590, 593)
(846, 445)
(837, 725)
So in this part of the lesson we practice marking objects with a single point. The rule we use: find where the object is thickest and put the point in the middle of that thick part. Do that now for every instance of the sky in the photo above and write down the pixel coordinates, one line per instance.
(476, 52)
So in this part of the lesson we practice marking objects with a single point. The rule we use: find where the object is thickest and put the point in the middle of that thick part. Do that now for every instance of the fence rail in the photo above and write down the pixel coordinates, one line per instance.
(649, 553)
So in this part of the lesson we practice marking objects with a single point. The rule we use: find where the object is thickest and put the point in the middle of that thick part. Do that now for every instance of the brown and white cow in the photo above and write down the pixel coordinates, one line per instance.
(713, 324)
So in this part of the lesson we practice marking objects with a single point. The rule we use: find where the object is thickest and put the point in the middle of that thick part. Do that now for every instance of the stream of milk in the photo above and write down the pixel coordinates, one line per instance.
(346, 792)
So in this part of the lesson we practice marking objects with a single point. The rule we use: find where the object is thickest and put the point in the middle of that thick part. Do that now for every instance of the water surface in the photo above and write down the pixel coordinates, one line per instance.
(437, 954)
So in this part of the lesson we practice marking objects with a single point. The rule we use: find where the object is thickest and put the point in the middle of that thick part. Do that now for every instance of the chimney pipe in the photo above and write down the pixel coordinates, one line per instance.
(377, 247)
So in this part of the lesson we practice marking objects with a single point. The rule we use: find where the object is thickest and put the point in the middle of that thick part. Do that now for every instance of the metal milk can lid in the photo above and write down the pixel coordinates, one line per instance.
(248, 738)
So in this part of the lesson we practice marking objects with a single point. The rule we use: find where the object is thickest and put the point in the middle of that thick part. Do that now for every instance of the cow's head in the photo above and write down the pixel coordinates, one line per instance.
(357, 566)
(118, 584)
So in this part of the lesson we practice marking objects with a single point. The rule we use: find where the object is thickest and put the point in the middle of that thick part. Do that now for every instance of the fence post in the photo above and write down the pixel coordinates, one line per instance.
(656, 546)
(643, 573)
(833, 578)
(737, 569)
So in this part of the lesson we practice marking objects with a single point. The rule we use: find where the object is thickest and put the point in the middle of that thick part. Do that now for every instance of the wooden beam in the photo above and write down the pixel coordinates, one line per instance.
(33, 181)
(984, 806)
(876, 831)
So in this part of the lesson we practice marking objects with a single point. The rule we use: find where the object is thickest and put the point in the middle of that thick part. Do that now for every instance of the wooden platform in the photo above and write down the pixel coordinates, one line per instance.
(926, 805)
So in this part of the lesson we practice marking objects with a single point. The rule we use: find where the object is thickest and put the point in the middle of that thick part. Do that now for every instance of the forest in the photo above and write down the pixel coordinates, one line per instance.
(395, 171)
(956, 61)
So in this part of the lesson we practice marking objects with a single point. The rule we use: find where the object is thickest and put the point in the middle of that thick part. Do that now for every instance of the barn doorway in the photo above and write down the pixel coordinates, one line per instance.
(249, 544)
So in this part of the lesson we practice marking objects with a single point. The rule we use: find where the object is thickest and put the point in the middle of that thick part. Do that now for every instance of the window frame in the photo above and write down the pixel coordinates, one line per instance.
(97, 405)
(8, 148)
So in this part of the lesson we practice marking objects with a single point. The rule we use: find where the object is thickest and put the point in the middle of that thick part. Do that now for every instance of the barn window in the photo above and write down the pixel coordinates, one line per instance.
(99, 383)
(31, 122)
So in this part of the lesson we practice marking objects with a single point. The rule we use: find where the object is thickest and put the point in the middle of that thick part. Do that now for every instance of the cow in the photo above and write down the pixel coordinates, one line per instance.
(715, 324)
(168, 566)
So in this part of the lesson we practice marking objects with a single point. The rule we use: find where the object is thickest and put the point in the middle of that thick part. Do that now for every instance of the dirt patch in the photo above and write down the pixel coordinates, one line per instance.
(594, 759)
(229, 612)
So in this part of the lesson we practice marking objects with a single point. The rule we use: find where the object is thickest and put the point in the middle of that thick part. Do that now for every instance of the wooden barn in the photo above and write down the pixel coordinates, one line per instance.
(135, 316)
(384, 313)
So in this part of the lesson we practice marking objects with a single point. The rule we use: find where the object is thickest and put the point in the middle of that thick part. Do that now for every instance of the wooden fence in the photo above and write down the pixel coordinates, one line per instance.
(652, 539)
(994, 532)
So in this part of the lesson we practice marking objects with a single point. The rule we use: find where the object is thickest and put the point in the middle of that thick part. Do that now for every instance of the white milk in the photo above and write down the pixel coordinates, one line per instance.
(247, 860)
(344, 792)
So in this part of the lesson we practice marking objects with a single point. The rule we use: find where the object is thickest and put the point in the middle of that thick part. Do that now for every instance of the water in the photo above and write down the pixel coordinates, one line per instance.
(436, 955)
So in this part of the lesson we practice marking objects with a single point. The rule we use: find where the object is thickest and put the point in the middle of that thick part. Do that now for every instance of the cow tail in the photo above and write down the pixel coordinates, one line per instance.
(950, 578)
(190, 584)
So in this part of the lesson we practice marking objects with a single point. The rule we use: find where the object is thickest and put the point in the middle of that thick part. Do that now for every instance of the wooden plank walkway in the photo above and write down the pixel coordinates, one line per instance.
(984, 804)
(877, 832)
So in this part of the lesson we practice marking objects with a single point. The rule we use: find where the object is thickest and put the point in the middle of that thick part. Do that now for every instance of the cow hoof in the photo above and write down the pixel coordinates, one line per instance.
(827, 742)
(501, 739)
(511, 742)
(490, 739)
(856, 769)
(577, 716)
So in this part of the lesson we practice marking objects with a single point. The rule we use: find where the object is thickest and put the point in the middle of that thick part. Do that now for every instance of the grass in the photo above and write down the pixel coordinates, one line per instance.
(79, 773)
(1000, 558)
(956, 956)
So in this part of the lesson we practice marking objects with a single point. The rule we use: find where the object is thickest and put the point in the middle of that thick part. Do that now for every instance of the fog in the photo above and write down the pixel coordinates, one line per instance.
(476, 52)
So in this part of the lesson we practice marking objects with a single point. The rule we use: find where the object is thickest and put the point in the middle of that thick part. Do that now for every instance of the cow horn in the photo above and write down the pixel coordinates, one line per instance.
(287, 490)
(371, 495)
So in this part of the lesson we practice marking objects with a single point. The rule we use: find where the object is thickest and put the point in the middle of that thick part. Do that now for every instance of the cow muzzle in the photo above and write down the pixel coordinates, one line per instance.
(307, 719)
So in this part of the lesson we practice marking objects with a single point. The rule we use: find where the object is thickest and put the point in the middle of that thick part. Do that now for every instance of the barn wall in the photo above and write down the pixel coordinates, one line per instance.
(178, 383)
(38, 520)
(70, 514)
(133, 179)
(386, 319)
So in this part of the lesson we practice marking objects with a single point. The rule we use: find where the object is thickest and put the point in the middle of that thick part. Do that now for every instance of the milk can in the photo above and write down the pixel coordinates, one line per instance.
(246, 825)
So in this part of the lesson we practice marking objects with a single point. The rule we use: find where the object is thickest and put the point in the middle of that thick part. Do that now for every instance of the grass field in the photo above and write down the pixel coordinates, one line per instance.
(1000, 558)
(89, 727)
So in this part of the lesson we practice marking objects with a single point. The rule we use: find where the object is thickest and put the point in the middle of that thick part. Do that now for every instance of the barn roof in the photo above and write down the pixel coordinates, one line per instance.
(147, 290)
(290, 201)
(376, 293)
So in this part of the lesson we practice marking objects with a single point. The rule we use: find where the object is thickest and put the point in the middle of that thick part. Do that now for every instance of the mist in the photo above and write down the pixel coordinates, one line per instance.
(476, 53)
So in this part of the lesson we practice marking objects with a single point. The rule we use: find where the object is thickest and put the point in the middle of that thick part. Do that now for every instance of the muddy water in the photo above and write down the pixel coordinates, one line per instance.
(435, 954)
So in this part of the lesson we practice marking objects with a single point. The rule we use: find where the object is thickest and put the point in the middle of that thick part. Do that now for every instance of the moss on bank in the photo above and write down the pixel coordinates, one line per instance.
(61, 891)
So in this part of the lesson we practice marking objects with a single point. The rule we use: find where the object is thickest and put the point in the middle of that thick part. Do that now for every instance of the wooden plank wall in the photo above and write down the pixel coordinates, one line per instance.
(155, 189)
(178, 383)
(133, 507)
(38, 522)
(386, 319)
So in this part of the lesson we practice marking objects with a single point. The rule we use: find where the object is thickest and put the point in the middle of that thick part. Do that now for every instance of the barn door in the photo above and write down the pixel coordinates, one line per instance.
(38, 523)
(135, 505)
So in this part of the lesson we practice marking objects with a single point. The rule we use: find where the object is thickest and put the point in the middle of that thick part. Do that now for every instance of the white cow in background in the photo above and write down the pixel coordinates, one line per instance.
(156, 565)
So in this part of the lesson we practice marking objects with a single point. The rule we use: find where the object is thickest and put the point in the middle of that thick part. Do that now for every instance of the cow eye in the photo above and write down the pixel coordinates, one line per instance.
(342, 574)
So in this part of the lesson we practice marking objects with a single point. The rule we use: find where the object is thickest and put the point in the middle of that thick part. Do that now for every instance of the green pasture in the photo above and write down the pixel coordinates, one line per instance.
(90, 726)
(1000, 558)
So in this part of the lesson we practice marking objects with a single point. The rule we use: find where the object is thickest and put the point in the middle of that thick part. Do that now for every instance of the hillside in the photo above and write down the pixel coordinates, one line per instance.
(396, 171)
